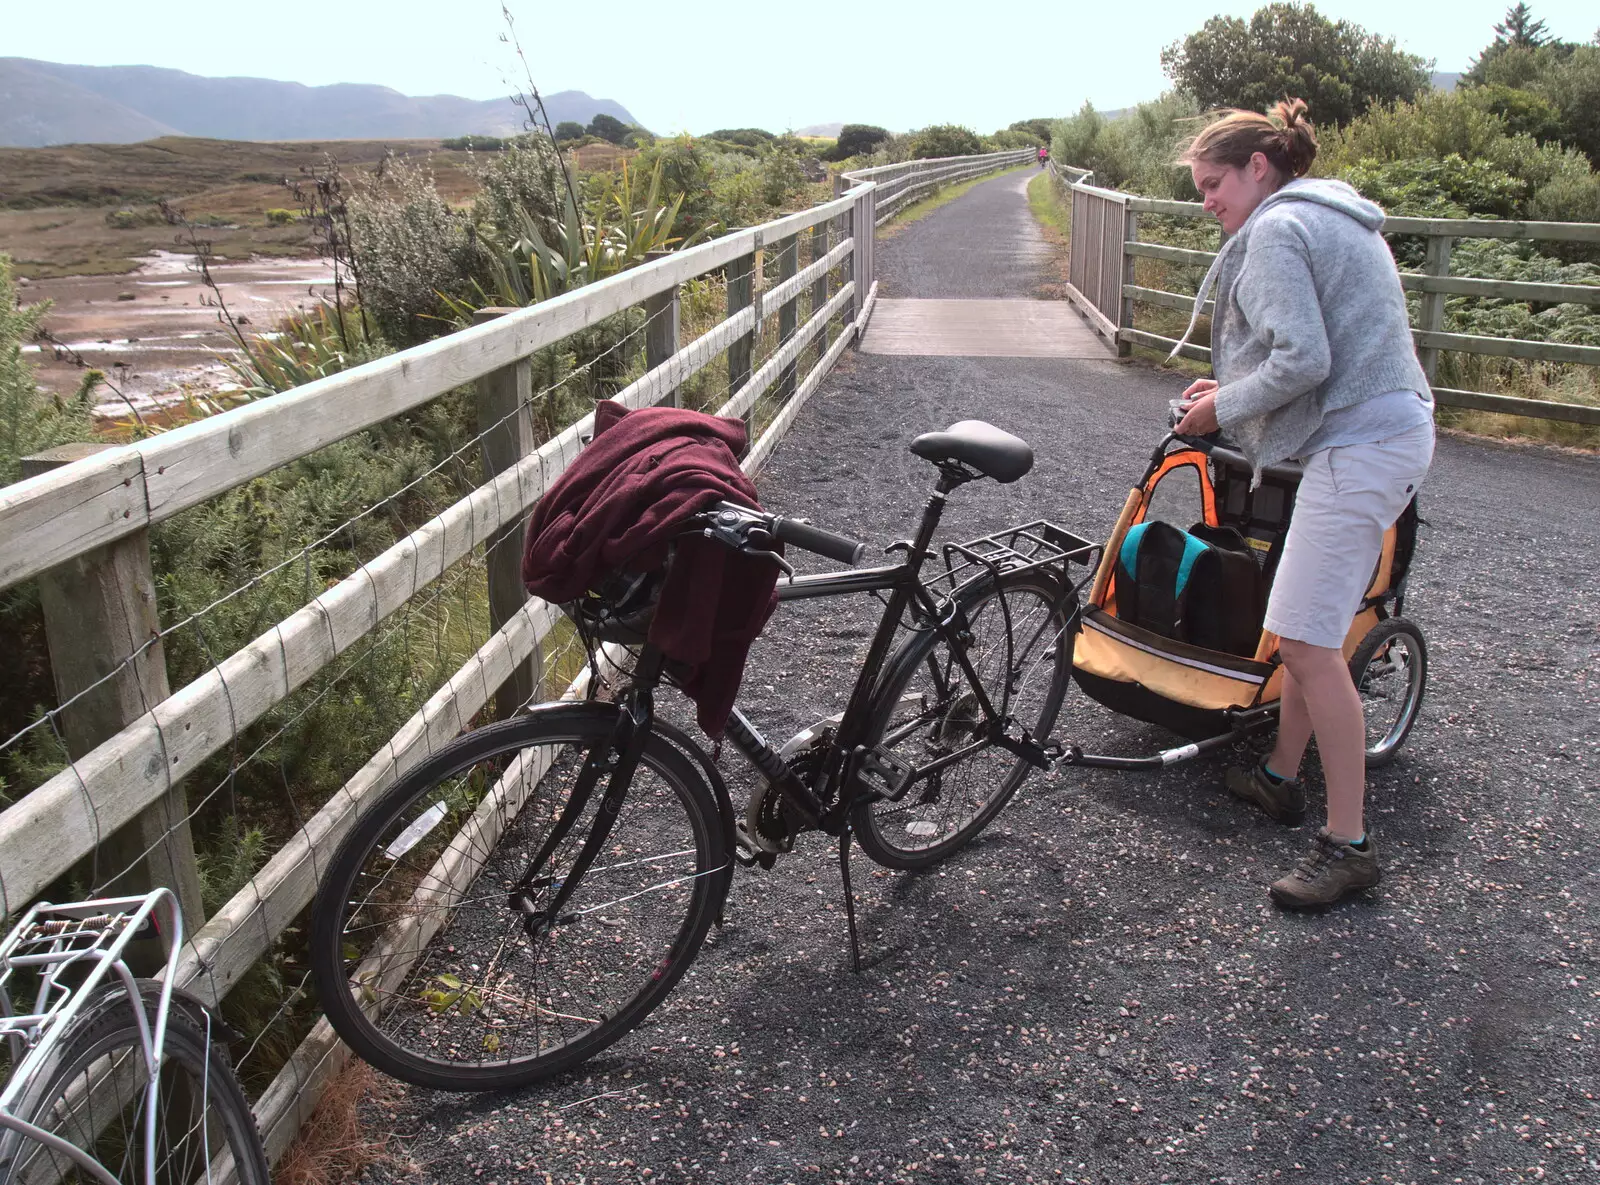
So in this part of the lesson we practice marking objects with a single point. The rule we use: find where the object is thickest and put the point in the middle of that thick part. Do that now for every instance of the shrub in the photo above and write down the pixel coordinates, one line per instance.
(479, 143)
(411, 247)
(30, 419)
(281, 217)
(687, 170)
(946, 139)
(1007, 138)
(526, 176)
(855, 139)
(746, 137)
(1522, 111)
(1447, 188)
(1138, 151)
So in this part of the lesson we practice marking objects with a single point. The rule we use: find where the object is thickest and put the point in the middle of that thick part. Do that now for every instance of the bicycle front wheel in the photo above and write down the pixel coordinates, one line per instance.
(1020, 645)
(95, 1098)
(428, 971)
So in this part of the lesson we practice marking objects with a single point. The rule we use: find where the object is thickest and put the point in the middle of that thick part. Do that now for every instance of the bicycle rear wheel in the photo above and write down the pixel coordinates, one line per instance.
(93, 1097)
(424, 966)
(926, 710)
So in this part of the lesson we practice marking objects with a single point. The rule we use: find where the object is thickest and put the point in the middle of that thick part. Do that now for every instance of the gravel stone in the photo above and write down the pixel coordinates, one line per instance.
(1098, 989)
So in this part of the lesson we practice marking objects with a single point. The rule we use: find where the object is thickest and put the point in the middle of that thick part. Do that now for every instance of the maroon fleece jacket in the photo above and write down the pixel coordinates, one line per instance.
(621, 502)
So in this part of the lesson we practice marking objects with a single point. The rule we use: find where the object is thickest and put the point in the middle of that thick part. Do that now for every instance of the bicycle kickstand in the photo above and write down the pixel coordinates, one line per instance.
(849, 899)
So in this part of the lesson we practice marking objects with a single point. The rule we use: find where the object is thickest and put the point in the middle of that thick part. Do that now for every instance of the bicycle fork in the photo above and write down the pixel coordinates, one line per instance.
(618, 755)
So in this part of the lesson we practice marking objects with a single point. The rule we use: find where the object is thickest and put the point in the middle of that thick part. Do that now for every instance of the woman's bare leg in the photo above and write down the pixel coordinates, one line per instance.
(1294, 729)
(1334, 711)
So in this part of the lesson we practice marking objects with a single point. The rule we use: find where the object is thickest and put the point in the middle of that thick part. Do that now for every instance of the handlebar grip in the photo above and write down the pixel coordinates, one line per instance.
(825, 543)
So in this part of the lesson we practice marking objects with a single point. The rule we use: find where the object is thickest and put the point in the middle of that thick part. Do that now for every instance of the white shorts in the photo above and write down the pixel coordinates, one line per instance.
(1349, 496)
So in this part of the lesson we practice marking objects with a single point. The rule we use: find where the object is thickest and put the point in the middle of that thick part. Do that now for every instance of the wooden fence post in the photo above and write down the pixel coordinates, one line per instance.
(741, 294)
(102, 629)
(819, 287)
(663, 318)
(852, 264)
(1130, 234)
(505, 437)
(788, 311)
(1431, 313)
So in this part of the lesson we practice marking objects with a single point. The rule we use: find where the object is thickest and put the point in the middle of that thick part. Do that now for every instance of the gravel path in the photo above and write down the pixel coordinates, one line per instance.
(1098, 989)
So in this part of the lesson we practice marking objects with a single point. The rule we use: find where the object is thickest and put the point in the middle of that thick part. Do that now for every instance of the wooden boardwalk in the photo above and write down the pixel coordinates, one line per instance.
(982, 329)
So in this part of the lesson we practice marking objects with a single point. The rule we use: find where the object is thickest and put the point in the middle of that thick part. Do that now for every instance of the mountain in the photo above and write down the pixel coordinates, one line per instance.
(828, 130)
(53, 103)
(1444, 82)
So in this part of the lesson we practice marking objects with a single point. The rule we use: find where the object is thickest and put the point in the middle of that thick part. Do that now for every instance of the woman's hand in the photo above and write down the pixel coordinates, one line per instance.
(1200, 406)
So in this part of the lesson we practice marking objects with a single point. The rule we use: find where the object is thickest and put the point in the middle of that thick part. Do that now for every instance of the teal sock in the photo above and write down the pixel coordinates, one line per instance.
(1360, 845)
(1272, 777)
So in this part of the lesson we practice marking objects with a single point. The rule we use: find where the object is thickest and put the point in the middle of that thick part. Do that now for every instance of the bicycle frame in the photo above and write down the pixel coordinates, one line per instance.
(906, 591)
(95, 933)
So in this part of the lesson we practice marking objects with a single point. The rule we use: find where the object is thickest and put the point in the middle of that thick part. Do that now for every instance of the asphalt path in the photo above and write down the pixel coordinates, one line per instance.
(1099, 988)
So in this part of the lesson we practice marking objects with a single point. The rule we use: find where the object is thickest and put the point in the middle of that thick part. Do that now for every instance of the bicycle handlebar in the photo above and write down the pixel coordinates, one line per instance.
(824, 543)
(754, 532)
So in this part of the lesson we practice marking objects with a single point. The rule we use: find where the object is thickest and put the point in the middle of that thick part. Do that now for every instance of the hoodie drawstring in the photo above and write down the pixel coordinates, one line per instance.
(1201, 294)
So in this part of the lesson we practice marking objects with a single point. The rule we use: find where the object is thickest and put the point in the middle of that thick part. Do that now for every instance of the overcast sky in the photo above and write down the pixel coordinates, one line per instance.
(695, 65)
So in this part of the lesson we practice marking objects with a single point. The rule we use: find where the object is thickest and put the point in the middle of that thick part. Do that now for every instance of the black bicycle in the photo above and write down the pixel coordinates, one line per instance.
(526, 896)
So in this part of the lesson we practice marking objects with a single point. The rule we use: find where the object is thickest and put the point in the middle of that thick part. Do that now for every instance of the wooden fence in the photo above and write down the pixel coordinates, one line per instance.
(1105, 243)
(80, 527)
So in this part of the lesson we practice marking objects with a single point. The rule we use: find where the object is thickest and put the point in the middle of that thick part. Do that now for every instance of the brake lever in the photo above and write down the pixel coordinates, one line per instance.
(783, 565)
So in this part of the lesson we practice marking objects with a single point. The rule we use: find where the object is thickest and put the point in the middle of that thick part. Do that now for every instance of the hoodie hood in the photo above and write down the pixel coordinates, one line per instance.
(1336, 195)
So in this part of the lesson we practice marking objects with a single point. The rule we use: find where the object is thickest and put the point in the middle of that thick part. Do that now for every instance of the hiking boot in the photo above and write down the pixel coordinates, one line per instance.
(1328, 871)
(1284, 801)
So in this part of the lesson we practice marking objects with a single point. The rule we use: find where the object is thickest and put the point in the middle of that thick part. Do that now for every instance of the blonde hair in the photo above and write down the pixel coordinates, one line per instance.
(1285, 137)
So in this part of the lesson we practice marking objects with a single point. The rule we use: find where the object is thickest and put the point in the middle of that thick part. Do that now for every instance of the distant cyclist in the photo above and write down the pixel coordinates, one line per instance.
(1044, 156)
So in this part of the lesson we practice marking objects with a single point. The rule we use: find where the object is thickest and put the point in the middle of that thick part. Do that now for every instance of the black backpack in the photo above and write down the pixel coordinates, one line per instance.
(1199, 586)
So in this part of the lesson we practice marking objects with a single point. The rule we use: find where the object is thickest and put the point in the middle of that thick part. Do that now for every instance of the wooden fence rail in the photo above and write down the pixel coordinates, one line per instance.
(1105, 243)
(72, 513)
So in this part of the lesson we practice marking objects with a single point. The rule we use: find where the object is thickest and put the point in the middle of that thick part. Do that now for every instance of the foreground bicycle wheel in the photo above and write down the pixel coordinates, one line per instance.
(927, 711)
(94, 1098)
(426, 970)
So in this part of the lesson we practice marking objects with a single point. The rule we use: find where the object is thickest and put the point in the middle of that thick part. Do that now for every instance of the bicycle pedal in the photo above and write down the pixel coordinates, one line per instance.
(745, 850)
(881, 774)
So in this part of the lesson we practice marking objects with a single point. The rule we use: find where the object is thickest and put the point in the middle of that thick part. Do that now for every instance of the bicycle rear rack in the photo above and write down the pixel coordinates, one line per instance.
(1034, 545)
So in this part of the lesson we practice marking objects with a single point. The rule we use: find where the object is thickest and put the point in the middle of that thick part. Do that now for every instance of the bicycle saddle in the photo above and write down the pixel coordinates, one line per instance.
(984, 447)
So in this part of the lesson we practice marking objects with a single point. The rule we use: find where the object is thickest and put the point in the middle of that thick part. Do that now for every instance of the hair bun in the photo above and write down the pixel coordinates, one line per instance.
(1299, 138)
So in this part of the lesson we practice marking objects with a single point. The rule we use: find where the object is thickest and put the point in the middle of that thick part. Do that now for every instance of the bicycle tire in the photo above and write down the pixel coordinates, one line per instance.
(91, 1095)
(473, 1005)
(920, 712)
(1390, 671)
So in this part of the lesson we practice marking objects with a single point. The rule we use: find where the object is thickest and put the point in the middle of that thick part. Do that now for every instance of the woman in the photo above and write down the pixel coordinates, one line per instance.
(1313, 360)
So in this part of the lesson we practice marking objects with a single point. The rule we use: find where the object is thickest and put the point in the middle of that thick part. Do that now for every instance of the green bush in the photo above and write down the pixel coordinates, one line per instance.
(527, 176)
(854, 139)
(412, 250)
(946, 139)
(1138, 151)
(745, 137)
(1447, 188)
(277, 216)
(569, 129)
(479, 143)
(608, 127)
(1523, 111)
(30, 419)
(129, 218)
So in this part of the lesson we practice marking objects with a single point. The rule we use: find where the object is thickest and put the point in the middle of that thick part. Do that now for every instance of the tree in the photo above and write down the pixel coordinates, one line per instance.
(569, 129)
(608, 127)
(1292, 50)
(856, 139)
(1520, 29)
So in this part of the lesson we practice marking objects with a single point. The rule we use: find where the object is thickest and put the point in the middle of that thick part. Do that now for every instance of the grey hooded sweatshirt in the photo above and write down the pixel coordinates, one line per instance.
(1310, 318)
